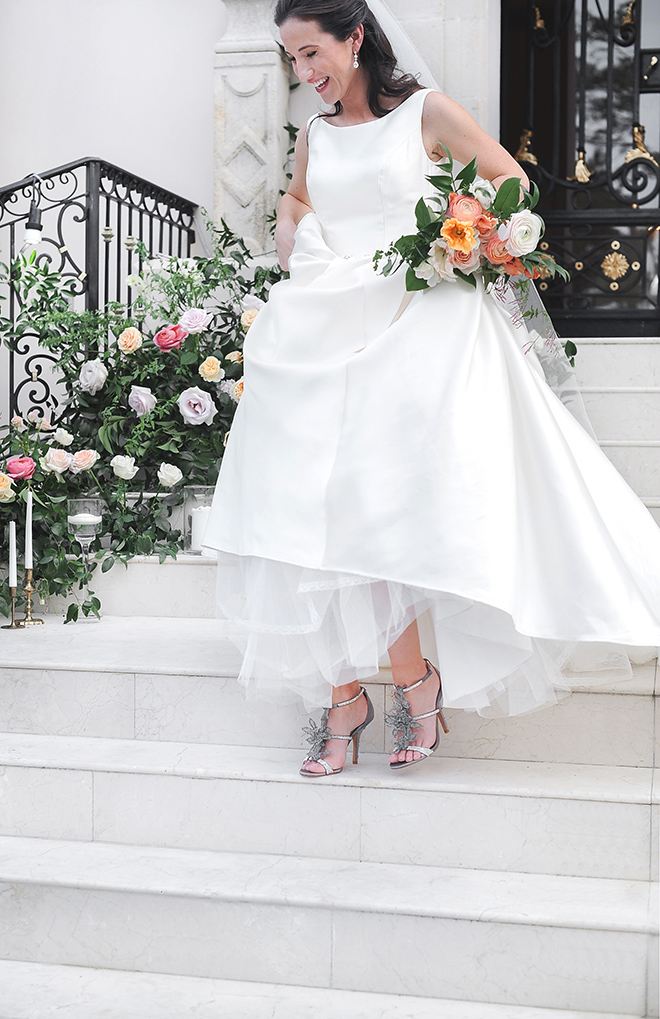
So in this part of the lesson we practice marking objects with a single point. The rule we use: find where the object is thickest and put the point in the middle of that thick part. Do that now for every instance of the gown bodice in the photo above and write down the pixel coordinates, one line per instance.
(365, 180)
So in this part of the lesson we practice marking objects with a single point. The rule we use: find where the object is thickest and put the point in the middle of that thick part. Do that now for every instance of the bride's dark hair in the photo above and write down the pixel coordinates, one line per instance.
(340, 18)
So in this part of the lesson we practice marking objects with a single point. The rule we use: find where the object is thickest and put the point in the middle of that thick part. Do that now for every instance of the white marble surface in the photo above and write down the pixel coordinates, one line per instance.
(46, 802)
(622, 415)
(65, 701)
(34, 991)
(500, 962)
(639, 465)
(621, 361)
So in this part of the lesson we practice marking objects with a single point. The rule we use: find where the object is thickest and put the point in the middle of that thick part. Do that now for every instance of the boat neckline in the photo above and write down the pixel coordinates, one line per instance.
(378, 120)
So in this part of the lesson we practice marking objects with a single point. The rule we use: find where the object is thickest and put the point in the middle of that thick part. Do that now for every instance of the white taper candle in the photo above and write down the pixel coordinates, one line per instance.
(28, 532)
(13, 580)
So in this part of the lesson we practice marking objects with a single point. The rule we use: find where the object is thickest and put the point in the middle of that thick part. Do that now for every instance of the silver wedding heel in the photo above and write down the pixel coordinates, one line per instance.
(318, 735)
(405, 725)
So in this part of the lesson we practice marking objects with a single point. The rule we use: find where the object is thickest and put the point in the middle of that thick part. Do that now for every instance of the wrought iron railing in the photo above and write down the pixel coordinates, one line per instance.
(581, 111)
(92, 216)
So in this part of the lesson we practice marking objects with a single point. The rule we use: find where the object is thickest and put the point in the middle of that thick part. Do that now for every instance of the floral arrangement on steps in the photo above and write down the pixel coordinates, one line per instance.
(150, 393)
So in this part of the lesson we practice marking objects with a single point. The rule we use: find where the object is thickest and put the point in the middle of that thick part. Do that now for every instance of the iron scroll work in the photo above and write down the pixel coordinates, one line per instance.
(574, 112)
(93, 214)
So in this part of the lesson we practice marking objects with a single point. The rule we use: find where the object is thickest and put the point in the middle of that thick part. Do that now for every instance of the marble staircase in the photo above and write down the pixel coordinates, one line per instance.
(161, 856)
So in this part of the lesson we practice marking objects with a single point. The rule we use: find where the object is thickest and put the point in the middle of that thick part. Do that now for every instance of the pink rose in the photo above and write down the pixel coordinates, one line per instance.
(141, 400)
(170, 338)
(496, 251)
(83, 460)
(466, 261)
(197, 406)
(467, 209)
(195, 320)
(21, 467)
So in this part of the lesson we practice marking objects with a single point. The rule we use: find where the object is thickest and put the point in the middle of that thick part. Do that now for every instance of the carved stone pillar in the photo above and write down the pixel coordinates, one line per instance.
(251, 110)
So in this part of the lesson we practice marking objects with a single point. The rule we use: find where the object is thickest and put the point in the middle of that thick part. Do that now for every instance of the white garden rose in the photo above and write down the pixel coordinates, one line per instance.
(484, 191)
(92, 376)
(83, 460)
(7, 493)
(248, 317)
(197, 406)
(56, 461)
(169, 475)
(195, 320)
(141, 400)
(124, 467)
(18, 424)
(135, 282)
(210, 370)
(62, 436)
(521, 233)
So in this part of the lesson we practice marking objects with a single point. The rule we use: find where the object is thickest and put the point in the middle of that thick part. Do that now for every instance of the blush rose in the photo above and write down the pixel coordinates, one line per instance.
(21, 467)
(197, 406)
(170, 338)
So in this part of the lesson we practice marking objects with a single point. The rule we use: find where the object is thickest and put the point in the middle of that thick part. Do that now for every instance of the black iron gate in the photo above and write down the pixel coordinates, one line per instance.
(581, 112)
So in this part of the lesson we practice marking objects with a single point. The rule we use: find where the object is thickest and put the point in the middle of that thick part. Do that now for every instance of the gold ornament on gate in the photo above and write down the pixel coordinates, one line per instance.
(639, 150)
(615, 265)
(523, 155)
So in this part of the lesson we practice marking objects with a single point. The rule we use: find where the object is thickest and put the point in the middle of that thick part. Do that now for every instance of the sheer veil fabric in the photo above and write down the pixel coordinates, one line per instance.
(387, 465)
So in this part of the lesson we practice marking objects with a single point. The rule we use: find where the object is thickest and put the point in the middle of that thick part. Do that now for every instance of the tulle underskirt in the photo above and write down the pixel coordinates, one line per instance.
(303, 631)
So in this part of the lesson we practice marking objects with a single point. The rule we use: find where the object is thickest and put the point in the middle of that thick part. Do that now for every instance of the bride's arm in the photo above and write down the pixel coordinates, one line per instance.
(294, 204)
(444, 121)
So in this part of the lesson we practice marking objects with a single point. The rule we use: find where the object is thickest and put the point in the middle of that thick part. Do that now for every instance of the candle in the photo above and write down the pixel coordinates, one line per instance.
(28, 532)
(12, 554)
(199, 519)
(84, 520)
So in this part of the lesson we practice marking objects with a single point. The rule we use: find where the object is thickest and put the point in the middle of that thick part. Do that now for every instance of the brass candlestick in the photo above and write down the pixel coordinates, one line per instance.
(27, 619)
(13, 625)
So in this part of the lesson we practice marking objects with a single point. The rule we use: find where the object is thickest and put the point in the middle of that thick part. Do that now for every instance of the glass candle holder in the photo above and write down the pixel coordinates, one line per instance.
(85, 521)
(197, 501)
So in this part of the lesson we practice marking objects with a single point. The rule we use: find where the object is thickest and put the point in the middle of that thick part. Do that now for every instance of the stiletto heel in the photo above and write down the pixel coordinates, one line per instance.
(405, 724)
(318, 736)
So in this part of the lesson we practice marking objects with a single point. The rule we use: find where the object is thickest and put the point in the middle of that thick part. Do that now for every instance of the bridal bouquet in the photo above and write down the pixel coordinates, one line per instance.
(470, 229)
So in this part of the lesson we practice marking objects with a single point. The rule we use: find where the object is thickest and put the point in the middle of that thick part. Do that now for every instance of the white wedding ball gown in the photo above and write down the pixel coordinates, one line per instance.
(379, 467)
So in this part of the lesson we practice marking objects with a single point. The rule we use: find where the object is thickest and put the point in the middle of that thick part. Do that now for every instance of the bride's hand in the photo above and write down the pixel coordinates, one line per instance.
(284, 236)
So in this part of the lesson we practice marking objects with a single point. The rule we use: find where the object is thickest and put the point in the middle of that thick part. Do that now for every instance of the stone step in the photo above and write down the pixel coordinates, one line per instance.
(36, 991)
(637, 462)
(485, 815)
(174, 679)
(620, 361)
(532, 940)
(624, 412)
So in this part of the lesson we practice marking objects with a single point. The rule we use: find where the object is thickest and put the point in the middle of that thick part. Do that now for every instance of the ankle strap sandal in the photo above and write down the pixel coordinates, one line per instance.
(318, 736)
(405, 725)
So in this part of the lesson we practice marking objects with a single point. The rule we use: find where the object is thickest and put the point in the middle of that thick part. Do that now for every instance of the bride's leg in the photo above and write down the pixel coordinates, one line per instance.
(342, 721)
(408, 666)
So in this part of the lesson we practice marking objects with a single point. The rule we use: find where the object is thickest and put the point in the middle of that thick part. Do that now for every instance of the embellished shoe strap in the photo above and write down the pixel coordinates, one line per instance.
(413, 686)
(318, 735)
(342, 704)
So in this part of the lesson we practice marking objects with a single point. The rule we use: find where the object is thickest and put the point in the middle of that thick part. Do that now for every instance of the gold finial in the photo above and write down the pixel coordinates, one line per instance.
(539, 23)
(639, 150)
(582, 171)
(523, 155)
(629, 18)
(654, 60)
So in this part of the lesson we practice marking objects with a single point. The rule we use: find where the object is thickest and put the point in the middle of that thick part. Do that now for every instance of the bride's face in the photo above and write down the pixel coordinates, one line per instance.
(321, 60)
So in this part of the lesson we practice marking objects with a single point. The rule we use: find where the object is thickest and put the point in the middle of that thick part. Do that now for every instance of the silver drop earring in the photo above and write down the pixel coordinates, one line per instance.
(356, 63)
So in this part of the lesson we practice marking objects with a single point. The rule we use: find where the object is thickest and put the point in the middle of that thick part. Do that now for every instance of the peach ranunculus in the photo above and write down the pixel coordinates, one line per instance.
(19, 467)
(485, 225)
(466, 261)
(496, 251)
(210, 370)
(83, 460)
(459, 235)
(7, 493)
(465, 208)
(130, 340)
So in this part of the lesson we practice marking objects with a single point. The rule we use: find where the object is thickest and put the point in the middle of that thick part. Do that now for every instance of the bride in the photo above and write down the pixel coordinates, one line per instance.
(395, 457)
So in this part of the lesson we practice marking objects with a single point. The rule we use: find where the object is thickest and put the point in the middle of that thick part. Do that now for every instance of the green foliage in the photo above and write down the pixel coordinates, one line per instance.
(103, 422)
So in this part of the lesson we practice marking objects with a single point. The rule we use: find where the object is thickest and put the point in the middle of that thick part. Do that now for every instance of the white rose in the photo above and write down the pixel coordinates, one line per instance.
(141, 400)
(484, 191)
(124, 467)
(248, 303)
(56, 461)
(62, 436)
(521, 232)
(197, 406)
(18, 424)
(195, 320)
(92, 376)
(135, 282)
(169, 475)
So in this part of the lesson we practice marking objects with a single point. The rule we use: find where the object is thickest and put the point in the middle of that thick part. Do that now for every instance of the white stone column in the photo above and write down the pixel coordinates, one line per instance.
(251, 110)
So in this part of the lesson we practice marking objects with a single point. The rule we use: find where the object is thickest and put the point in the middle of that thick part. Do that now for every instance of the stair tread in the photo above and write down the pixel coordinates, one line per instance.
(600, 783)
(183, 646)
(383, 888)
(38, 991)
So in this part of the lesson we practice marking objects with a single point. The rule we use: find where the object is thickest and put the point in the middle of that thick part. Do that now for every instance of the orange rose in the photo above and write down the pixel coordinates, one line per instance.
(130, 340)
(515, 268)
(459, 235)
(496, 251)
(485, 225)
(467, 209)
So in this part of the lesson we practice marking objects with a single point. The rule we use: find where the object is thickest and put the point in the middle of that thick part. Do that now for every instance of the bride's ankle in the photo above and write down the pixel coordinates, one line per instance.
(409, 673)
